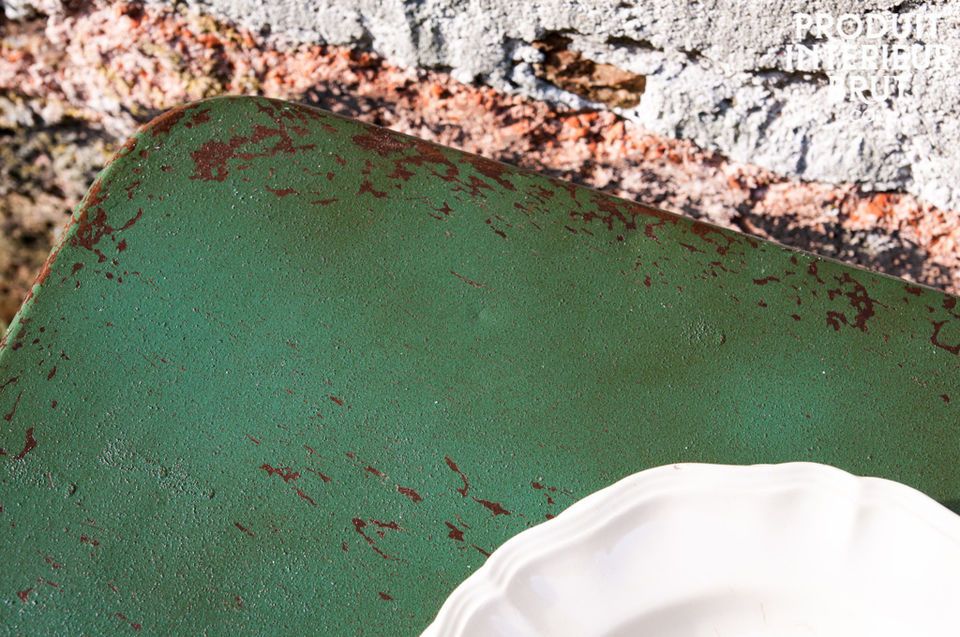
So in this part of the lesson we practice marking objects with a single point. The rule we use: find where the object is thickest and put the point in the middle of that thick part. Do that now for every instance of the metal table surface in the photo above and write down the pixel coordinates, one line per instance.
(292, 374)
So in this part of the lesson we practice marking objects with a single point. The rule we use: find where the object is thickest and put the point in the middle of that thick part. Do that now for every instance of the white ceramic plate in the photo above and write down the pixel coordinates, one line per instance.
(791, 550)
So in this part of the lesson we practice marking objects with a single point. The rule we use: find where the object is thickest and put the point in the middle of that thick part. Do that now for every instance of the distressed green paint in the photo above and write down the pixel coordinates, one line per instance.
(240, 410)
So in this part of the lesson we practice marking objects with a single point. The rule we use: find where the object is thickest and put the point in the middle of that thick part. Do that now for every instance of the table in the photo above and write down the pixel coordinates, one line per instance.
(289, 373)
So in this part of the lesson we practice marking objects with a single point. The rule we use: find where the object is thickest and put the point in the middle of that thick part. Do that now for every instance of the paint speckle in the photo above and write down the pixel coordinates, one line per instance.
(765, 280)
(469, 282)
(860, 301)
(306, 498)
(381, 527)
(282, 192)
(29, 444)
(244, 529)
(286, 473)
(455, 533)
(410, 493)
(453, 467)
(13, 411)
(494, 507)
(935, 339)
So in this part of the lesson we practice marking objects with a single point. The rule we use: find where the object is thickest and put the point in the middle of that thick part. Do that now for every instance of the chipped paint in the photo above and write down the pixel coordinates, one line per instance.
(350, 355)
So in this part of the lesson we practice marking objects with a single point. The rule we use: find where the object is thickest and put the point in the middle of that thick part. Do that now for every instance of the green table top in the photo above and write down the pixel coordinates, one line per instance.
(292, 374)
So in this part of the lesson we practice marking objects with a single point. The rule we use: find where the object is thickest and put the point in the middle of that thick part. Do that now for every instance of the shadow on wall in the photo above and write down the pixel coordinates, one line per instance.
(873, 249)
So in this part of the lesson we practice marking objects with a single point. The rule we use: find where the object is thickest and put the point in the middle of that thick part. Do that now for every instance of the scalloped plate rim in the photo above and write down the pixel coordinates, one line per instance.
(579, 519)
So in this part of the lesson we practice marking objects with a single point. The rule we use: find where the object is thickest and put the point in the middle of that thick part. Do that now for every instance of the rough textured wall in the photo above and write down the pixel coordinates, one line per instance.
(718, 73)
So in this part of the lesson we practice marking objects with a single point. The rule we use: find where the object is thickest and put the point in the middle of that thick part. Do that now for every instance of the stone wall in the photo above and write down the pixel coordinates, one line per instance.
(723, 74)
